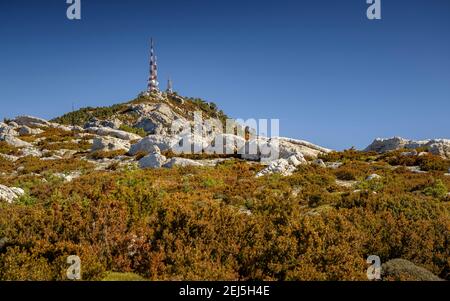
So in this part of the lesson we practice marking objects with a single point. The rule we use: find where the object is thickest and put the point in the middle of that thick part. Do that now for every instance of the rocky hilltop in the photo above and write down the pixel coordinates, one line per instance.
(147, 132)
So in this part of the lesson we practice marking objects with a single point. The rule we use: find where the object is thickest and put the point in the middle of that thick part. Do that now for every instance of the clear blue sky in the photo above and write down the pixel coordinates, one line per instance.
(330, 75)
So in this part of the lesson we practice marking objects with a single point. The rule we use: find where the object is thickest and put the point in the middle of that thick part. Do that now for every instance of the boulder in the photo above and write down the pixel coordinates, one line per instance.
(296, 160)
(154, 160)
(25, 131)
(13, 141)
(373, 177)
(9, 195)
(109, 144)
(13, 124)
(31, 151)
(280, 166)
(285, 167)
(31, 121)
(319, 162)
(404, 270)
(147, 144)
(181, 162)
(104, 131)
(334, 165)
(6, 129)
(68, 177)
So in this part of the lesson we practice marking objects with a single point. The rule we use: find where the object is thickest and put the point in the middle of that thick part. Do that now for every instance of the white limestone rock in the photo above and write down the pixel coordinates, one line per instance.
(31, 121)
(279, 148)
(158, 119)
(13, 141)
(285, 167)
(280, 166)
(319, 162)
(68, 177)
(439, 147)
(113, 123)
(7, 130)
(104, 131)
(109, 144)
(62, 127)
(373, 177)
(31, 151)
(154, 160)
(182, 162)
(26, 131)
(9, 195)
(147, 144)
(9, 157)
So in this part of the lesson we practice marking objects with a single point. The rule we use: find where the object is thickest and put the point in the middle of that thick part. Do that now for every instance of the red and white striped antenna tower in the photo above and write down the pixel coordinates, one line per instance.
(153, 78)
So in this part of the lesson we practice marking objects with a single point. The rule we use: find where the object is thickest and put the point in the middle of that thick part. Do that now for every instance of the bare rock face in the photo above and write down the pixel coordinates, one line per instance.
(280, 148)
(157, 119)
(289, 147)
(114, 123)
(7, 130)
(9, 195)
(440, 147)
(110, 144)
(105, 131)
(31, 121)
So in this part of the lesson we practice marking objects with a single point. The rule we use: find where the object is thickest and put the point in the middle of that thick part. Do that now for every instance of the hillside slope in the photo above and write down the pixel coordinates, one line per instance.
(112, 186)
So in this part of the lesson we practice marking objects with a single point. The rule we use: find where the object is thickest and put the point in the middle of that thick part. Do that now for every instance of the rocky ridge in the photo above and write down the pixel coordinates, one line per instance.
(154, 132)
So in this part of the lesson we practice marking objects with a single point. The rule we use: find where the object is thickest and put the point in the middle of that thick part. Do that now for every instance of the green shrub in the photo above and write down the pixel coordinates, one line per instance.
(438, 190)
(129, 129)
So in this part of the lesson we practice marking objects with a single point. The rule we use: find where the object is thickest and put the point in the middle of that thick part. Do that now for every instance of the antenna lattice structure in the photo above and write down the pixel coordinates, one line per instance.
(153, 78)
(169, 86)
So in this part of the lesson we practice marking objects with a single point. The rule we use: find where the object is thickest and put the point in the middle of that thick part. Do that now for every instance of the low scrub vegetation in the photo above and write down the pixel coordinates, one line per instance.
(222, 223)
